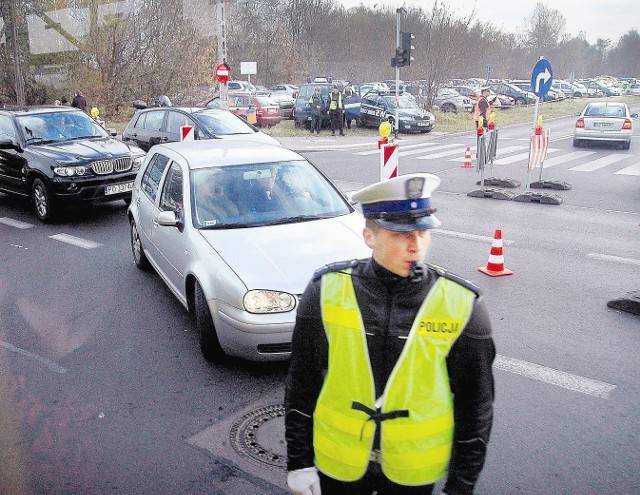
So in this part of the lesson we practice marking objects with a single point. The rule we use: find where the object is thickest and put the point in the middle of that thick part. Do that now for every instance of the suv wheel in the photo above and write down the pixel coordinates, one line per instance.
(139, 258)
(42, 201)
(448, 107)
(520, 102)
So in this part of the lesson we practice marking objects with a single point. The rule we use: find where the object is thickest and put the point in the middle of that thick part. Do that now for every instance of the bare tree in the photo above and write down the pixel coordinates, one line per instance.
(544, 30)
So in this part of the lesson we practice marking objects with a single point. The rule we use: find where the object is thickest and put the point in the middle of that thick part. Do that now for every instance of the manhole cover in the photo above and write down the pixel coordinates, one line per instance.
(259, 436)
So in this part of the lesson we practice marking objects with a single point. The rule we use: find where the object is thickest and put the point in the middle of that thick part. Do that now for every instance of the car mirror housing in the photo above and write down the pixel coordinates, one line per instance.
(8, 144)
(170, 219)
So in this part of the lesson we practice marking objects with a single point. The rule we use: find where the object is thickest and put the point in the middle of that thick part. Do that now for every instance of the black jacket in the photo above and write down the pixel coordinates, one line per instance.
(389, 304)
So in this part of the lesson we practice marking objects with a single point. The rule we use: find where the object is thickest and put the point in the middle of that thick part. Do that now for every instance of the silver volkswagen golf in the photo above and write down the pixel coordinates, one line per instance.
(236, 231)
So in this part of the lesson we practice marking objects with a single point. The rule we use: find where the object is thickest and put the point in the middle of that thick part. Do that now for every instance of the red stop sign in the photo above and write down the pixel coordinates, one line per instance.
(223, 73)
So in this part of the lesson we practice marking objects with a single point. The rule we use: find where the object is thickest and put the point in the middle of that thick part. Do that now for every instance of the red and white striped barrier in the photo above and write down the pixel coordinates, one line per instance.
(388, 161)
(186, 133)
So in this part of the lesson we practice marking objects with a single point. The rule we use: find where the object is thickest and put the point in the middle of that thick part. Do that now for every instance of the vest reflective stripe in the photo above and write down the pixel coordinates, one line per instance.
(477, 112)
(414, 450)
(335, 103)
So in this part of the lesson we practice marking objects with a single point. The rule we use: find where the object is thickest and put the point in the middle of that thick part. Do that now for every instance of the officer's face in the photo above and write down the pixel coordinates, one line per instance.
(397, 251)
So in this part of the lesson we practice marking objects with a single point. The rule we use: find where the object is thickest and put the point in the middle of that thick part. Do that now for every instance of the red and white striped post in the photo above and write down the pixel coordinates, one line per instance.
(388, 153)
(186, 133)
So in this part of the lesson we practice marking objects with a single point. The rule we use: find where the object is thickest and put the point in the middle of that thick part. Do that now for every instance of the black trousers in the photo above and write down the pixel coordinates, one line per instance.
(374, 482)
(336, 121)
(316, 122)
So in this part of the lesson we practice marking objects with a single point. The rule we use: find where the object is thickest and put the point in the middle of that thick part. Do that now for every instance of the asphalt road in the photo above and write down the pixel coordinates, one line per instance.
(103, 389)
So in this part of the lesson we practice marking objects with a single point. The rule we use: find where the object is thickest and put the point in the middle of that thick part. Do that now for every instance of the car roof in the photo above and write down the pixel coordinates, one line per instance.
(226, 152)
(39, 109)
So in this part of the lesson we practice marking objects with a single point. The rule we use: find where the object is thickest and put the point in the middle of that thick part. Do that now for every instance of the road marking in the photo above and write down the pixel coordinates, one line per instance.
(471, 237)
(569, 157)
(56, 368)
(630, 170)
(519, 157)
(460, 152)
(560, 138)
(75, 241)
(403, 148)
(506, 150)
(616, 259)
(552, 376)
(15, 223)
(600, 162)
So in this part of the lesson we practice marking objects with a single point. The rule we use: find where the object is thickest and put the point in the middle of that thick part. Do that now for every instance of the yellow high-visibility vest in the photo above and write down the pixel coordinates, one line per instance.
(417, 406)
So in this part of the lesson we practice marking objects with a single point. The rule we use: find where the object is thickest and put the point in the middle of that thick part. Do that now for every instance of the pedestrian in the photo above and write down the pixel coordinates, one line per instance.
(317, 108)
(351, 104)
(390, 385)
(79, 102)
(336, 109)
(483, 107)
(64, 101)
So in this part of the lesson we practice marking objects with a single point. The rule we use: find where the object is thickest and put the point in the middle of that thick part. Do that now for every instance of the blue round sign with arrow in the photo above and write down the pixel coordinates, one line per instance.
(541, 77)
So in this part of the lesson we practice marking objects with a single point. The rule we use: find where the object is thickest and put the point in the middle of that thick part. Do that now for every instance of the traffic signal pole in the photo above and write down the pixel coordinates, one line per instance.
(222, 50)
(397, 120)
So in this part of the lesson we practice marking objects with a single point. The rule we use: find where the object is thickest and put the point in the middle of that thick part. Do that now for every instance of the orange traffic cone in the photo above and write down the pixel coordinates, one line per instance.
(495, 266)
(467, 159)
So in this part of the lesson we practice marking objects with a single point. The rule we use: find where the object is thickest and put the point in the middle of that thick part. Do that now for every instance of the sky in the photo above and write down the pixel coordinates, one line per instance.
(596, 18)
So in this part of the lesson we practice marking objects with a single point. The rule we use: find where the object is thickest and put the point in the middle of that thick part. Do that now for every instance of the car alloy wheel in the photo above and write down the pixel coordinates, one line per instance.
(139, 258)
(42, 201)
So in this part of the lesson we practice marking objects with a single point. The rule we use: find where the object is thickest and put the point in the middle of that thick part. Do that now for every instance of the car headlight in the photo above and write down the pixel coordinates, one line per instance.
(70, 171)
(137, 161)
(268, 301)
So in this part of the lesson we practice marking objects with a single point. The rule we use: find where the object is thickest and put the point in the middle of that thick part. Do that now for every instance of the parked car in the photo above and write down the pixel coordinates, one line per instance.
(634, 89)
(244, 86)
(291, 89)
(267, 111)
(597, 88)
(256, 221)
(520, 97)
(473, 93)
(364, 88)
(302, 110)
(552, 94)
(605, 122)
(377, 106)
(60, 156)
(153, 126)
(449, 100)
(285, 101)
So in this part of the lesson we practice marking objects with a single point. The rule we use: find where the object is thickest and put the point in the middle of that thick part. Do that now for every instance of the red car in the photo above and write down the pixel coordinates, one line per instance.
(267, 110)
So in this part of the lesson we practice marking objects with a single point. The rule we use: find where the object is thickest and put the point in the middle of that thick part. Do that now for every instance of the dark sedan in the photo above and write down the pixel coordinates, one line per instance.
(58, 156)
(159, 125)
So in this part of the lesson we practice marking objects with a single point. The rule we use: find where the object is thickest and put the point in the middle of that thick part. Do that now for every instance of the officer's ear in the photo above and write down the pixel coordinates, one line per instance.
(369, 237)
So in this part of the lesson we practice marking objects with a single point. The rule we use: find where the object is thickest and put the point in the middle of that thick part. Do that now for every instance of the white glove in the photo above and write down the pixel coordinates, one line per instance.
(304, 481)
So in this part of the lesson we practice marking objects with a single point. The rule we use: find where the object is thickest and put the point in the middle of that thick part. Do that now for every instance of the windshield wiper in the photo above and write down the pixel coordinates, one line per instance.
(221, 226)
(35, 139)
(299, 218)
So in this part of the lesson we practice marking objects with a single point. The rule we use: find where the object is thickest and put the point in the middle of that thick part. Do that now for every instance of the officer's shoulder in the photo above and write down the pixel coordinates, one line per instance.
(336, 267)
(443, 272)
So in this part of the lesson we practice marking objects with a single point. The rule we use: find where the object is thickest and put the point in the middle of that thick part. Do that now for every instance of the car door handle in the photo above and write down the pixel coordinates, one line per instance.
(164, 138)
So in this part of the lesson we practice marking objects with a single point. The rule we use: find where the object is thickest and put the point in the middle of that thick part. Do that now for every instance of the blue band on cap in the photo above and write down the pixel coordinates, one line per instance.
(393, 206)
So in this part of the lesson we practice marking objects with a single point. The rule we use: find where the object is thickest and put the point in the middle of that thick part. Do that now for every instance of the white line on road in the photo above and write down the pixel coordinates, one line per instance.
(569, 157)
(630, 170)
(554, 377)
(15, 223)
(75, 241)
(600, 162)
(471, 237)
(56, 368)
(519, 157)
(616, 259)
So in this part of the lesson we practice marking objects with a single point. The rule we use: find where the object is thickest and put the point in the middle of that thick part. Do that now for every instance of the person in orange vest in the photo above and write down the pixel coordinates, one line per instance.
(390, 386)
(483, 107)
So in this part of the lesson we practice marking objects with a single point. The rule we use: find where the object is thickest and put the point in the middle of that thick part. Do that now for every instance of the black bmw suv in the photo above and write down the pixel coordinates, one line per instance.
(58, 156)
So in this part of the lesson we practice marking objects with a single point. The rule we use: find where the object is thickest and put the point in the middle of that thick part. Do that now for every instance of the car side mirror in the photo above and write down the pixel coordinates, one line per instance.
(634, 115)
(170, 219)
(9, 144)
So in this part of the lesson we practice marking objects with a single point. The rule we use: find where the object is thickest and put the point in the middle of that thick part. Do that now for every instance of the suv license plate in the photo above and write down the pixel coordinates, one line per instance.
(118, 188)
(423, 124)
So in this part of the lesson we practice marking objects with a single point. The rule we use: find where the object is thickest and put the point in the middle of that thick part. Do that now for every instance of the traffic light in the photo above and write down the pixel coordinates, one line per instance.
(400, 60)
(406, 48)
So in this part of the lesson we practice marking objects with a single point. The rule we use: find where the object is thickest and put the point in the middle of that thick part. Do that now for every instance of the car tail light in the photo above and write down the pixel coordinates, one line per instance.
(259, 112)
(580, 123)
(627, 124)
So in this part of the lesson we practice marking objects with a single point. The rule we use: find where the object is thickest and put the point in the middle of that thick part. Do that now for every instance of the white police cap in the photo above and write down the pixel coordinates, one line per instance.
(401, 204)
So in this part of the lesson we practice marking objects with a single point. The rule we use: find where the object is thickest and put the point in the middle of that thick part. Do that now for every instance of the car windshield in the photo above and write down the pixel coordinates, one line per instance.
(405, 101)
(223, 123)
(51, 127)
(605, 111)
(265, 101)
(256, 195)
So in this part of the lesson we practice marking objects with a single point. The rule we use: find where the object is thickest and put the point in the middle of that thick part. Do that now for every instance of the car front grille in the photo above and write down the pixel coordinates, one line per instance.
(104, 167)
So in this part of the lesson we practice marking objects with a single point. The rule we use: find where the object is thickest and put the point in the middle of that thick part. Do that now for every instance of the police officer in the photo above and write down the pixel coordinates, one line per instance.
(316, 104)
(390, 386)
(336, 109)
(482, 108)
